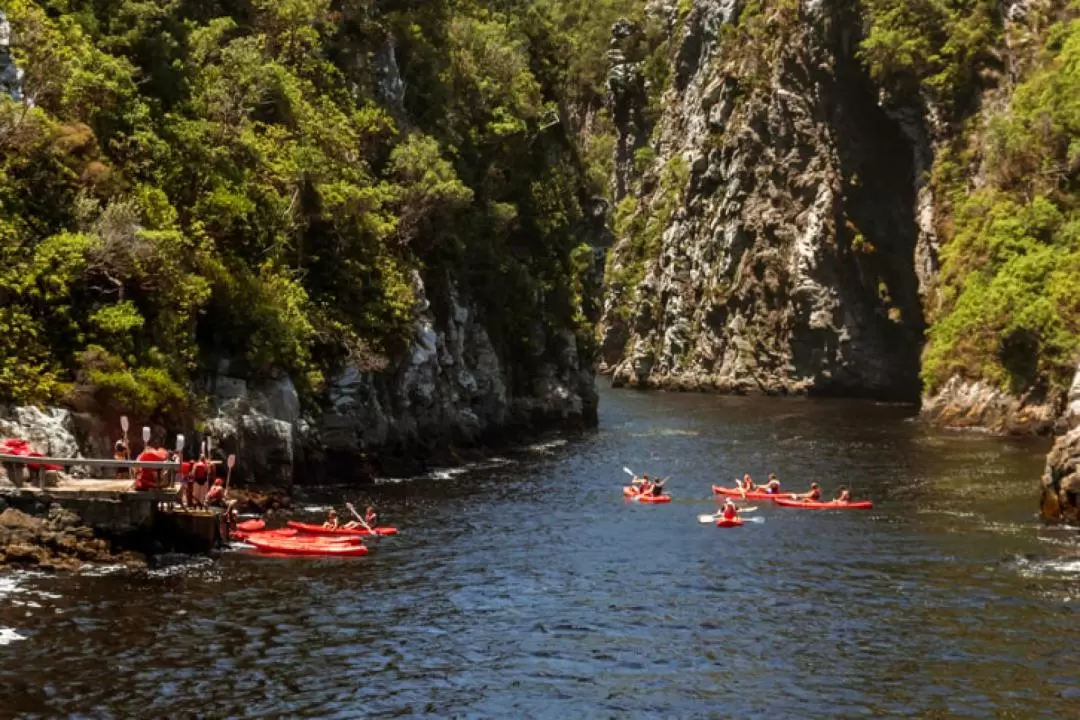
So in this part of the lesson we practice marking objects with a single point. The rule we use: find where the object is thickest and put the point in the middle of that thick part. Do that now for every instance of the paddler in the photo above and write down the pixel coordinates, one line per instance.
(369, 518)
(814, 495)
(747, 484)
(772, 487)
(640, 481)
(730, 511)
(657, 488)
(844, 496)
(331, 521)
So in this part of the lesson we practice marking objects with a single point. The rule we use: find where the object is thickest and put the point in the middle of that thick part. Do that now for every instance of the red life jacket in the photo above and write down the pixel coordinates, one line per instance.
(147, 478)
(200, 470)
(730, 512)
(815, 494)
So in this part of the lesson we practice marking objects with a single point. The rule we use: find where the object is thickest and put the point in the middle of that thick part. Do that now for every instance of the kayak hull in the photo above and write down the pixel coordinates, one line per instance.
(250, 526)
(320, 530)
(648, 499)
(751, 495)
(832, 505)
(294, 546)
(736, 522)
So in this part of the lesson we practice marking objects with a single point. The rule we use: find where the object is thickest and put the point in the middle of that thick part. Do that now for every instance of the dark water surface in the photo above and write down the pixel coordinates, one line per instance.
(530, 589)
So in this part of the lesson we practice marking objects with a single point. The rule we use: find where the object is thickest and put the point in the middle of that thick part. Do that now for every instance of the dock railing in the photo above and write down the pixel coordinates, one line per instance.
(11, 462)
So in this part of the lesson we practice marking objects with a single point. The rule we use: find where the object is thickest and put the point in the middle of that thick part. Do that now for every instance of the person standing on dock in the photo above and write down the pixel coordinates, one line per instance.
(120, 452)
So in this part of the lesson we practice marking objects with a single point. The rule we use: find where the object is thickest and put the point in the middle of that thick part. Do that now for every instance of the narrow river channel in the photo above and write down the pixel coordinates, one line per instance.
(528, 588)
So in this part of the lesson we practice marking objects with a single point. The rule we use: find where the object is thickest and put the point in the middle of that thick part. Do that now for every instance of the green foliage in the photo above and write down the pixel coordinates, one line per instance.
(934, 45)
(1009, 303)
(198, 181)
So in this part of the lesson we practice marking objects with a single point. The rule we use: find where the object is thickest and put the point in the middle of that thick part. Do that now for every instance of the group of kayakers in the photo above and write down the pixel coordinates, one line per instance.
(647, 489)
(368, 522)
(644, 486)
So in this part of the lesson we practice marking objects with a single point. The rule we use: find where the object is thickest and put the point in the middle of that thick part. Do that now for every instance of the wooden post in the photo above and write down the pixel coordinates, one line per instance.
(41, 477)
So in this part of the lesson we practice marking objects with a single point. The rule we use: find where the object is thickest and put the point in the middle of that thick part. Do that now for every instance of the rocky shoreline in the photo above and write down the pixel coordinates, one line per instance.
(45, 536)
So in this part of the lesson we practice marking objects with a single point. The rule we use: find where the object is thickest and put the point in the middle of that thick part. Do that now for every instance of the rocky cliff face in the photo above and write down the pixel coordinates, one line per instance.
(775, 243)
(451, 391)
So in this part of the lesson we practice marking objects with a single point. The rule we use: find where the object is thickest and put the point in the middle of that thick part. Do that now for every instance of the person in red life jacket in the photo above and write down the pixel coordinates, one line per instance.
(200, 472)
(844, 496)
(772, 487)
(646, 486)
(814, 495)
(216, 496)
(639, 483)
(730, 512)
(369, 518)
(148, 479)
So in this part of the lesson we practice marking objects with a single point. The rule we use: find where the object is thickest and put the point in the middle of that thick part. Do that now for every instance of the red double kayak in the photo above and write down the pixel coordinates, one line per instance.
(831, 505)
(331, 547)
(634, 494)
(752, 494)
(733, 523)
(320, 530)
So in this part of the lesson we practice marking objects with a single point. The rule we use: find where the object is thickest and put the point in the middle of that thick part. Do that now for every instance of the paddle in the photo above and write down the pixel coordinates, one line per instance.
(228, 473)
(124, 429)
(180, 455)
(374, 533)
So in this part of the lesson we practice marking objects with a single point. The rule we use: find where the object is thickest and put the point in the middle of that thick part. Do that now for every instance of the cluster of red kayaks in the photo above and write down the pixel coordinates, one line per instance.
(794, 501)
(634, 494)
(18, 446)
(304, 539)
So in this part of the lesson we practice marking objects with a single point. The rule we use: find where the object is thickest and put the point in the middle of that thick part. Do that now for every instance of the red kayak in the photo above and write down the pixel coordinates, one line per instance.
(320, 530)
(311, 546)
(733, 523)
(831, 505)
(752, 494)
(250, 526)
(650, 499)
(291, 534)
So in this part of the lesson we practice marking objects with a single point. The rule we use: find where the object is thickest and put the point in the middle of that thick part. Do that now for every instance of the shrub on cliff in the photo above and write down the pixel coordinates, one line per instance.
(1009, 306)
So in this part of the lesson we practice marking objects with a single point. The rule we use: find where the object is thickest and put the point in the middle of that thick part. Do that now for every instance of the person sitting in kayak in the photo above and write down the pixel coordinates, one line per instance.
(772, 487)
(747, 483)
(844, 496)
(369, 518)
(730, 511)
(814, 495)
(640, 482)
(331, 521)
(657, 489)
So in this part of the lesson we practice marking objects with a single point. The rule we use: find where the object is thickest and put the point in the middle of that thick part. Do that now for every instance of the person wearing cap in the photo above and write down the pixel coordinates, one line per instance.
(814, 495)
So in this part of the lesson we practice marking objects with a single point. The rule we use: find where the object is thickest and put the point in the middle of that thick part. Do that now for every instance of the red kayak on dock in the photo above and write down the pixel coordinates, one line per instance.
(831, 505)
(751, 494)
(329, 547)
(633, 494)
(320, 530)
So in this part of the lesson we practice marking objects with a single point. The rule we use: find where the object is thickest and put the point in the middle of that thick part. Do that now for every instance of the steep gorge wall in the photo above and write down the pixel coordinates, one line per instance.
(773, 241)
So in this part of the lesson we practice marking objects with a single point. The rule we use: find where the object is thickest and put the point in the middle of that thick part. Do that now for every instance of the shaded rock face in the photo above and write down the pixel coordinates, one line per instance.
(1061, 479)
(965, 404)
(451, 390)
(789, 263)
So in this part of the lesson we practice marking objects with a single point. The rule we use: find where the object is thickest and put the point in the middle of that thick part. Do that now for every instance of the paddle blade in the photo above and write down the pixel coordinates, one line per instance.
(124, 423)
(756, 519)
(629, 472)
(706, 519)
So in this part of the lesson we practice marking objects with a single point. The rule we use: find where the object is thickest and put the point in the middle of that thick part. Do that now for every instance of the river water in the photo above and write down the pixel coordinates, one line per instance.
(528, 588)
